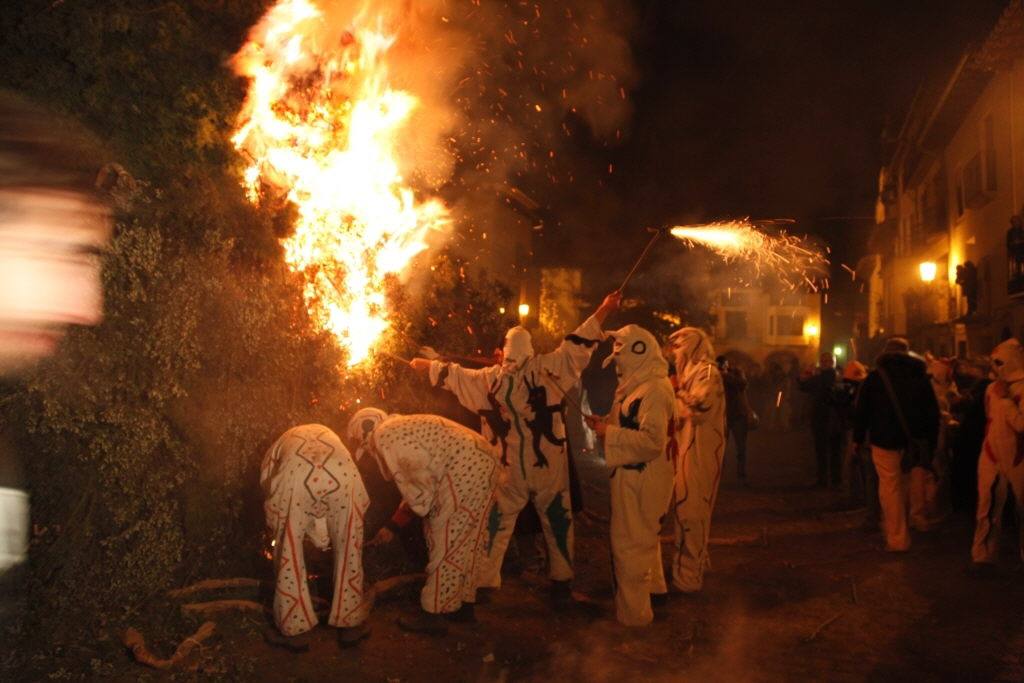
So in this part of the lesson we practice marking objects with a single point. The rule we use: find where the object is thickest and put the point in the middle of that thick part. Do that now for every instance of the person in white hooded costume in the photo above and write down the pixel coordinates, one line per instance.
(637, 448)
(312, 488)
(446, 474)
(700, 433)
(1001, 465)
(519, 402)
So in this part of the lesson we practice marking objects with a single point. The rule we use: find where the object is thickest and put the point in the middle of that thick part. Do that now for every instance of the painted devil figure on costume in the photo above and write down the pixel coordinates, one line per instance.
(446, 474)
(313, 489)
(528, 389)
(636, 448)
(1001, 465)
(700, 430)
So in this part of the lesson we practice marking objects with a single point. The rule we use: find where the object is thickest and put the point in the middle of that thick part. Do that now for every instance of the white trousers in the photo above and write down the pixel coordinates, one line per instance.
(548, 489)
(456, 532)
(892, 496)
(994, 483)
(639, 501)
(335, 494)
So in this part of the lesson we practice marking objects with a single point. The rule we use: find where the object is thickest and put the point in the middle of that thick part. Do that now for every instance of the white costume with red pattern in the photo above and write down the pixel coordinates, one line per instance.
(637, 449)
(700, 433)
(312, 487)
(447, 474)
(1001, 465)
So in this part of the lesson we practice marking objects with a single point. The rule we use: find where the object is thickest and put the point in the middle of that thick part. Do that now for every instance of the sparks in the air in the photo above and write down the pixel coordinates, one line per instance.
(322, 125)
(789, 258)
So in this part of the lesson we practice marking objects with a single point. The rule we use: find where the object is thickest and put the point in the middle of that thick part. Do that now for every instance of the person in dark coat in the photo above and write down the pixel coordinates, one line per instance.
(737, 412)
(968, 433)
(876, 422)
(826, 420)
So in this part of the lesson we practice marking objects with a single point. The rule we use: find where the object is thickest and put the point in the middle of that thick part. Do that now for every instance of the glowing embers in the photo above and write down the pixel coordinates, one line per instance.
(321, 125)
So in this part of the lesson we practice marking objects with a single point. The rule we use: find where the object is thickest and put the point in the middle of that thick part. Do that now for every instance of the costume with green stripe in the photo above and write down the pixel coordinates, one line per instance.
(527, 390)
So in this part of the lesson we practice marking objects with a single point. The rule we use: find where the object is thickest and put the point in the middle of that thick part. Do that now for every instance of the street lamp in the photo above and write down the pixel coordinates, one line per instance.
(838, 351)
(524, 310)
(927, 270)
(811, 330)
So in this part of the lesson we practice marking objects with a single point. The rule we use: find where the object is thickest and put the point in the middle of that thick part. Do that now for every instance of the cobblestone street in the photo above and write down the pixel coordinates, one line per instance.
(798, 591)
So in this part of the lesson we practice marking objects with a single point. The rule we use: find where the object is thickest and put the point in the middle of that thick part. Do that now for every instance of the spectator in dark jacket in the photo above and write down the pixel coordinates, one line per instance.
(876, 421)
(738, 414)
(826, 420)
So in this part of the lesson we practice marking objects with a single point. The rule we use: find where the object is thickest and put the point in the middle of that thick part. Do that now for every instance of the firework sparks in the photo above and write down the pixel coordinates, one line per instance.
(790, 258)
(321, 124)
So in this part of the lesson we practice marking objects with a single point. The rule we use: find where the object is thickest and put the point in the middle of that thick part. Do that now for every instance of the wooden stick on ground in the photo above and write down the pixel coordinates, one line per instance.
(215, 606)
(134, 641)
(213, 584)
(822, 627)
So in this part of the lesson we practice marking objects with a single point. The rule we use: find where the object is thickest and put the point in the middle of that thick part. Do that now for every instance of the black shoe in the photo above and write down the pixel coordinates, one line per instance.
(981, 570)
(349, 636)
(560, 593)
(296, 643)
(424, 622)
(485, 595)
(464, 615)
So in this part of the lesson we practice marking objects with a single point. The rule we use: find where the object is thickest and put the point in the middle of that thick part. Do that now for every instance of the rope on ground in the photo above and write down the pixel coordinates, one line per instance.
(135, 642)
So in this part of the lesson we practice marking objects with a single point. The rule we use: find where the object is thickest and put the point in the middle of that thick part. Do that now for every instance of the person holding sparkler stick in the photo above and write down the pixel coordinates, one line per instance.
(640, 452)
(519, 403)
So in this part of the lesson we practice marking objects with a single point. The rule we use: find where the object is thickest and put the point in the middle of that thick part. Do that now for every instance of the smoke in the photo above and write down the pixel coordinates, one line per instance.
(511, 93)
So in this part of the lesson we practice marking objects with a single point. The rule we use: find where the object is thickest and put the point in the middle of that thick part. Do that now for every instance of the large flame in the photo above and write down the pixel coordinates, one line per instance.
(321, 125)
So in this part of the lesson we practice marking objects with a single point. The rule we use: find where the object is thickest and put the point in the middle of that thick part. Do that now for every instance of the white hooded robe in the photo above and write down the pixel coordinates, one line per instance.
(312, 487)
(637, 449)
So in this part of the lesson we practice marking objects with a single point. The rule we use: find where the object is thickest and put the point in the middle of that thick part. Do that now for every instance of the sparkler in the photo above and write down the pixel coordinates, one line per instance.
(788, 257)
(322, 124)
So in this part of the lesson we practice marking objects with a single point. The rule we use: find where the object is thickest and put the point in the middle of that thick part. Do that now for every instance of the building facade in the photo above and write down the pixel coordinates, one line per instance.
(946, 267)
(757, 327)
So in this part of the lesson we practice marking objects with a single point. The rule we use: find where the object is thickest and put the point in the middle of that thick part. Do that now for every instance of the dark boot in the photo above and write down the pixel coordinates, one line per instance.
(296, 643)
(561, 594)
(349, 636)
(424, 622)
(464, 615)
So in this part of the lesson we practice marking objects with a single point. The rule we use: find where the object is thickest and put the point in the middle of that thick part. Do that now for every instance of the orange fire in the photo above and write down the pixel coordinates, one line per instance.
(788, 257)
(321, 124)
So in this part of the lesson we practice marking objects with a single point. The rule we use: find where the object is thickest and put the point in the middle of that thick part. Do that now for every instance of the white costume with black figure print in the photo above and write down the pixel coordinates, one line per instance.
(700, 434)
(447, 474)
(1001, 465)
(638, 450)
(520, 405)
(312, 488)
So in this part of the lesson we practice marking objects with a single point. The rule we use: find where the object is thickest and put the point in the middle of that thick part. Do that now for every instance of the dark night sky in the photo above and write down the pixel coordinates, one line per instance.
(776, 108)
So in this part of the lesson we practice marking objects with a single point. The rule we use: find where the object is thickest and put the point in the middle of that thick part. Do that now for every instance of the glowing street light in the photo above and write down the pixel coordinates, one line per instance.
(524, 310)
(927, 269)
(811, 330)
(838, 351)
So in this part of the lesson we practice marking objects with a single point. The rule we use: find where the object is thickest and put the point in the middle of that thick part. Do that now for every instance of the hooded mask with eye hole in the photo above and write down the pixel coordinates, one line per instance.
(1011, 357)
(361, 426)
(637, 357)
(692, 348)
(518, 349)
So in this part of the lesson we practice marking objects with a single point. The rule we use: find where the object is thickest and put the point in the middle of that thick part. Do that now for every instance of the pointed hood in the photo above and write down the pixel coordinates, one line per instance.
(637, 357)
(1008, 361)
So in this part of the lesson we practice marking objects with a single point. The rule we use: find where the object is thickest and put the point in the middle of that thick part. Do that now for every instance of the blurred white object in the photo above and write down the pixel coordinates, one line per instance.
(429, 353)
(50, 243)
(13, 527)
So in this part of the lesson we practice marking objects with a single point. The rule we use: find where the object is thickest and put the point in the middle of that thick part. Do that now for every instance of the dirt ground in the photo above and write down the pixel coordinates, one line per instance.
(797, 591)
